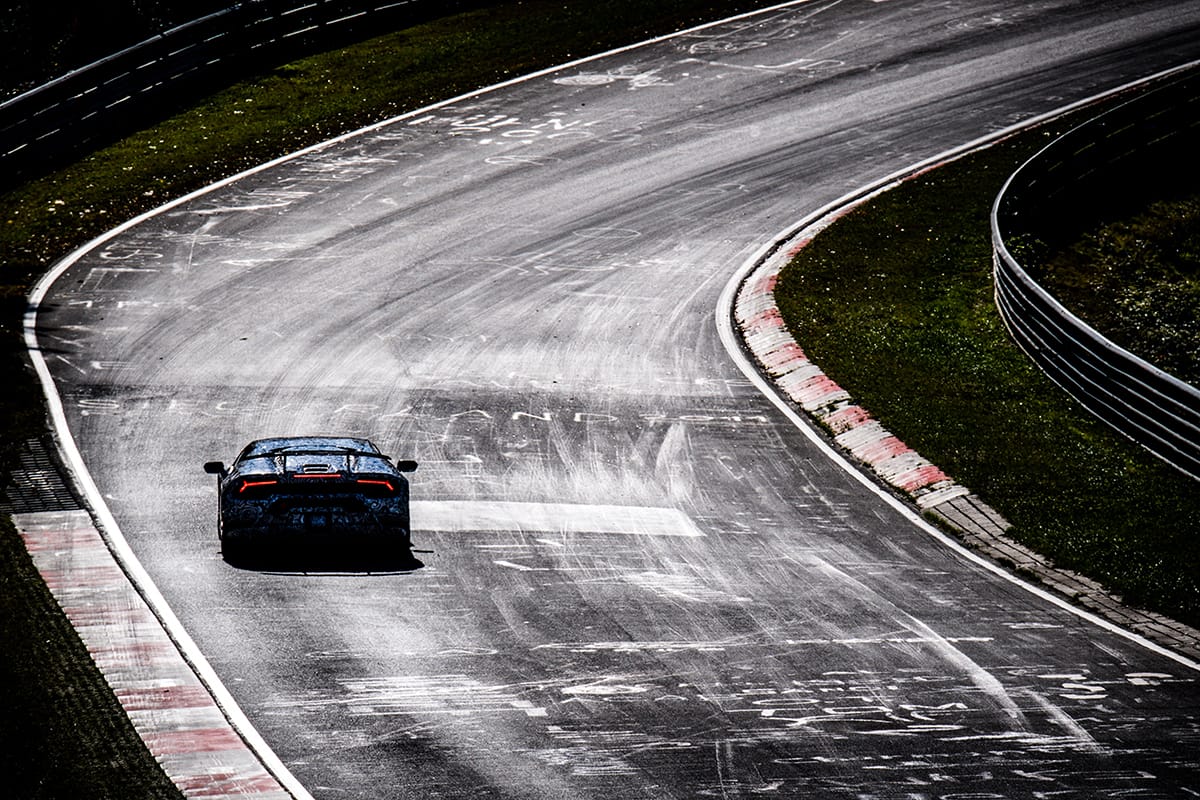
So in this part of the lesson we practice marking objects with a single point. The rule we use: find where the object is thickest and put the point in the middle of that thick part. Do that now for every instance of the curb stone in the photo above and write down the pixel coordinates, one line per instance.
(172, 710)
(867, 443)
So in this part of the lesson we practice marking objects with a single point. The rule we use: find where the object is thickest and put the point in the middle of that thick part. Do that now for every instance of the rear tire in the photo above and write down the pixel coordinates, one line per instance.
(236, 552)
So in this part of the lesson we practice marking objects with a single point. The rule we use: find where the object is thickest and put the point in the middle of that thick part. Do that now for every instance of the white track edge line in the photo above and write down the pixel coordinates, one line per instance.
(69, 449)
(732, 342)
(141, 579)
(146, 588)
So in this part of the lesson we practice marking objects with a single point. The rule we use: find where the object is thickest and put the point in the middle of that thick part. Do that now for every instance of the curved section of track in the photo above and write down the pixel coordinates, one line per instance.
(644, 581)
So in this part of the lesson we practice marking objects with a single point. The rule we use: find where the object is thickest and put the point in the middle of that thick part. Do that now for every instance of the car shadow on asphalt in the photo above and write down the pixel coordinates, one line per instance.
(324, 563)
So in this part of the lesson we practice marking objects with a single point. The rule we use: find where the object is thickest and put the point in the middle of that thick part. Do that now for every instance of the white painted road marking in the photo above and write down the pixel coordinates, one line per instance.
(454, 516)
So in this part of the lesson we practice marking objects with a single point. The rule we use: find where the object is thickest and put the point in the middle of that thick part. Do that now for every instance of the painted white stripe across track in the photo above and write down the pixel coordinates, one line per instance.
(452, 516)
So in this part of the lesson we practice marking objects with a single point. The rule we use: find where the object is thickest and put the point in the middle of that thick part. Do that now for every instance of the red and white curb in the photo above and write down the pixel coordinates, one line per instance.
(853, 428)
(172, 710)
(755, 336)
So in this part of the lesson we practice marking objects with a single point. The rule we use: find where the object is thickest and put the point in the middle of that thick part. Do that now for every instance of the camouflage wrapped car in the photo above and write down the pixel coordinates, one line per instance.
(312, 495)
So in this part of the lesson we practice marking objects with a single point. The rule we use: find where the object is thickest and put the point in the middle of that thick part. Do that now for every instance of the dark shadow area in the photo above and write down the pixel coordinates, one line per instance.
(309, 561)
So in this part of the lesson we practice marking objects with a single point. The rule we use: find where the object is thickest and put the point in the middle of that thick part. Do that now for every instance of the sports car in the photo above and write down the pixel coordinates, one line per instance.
(309, 495)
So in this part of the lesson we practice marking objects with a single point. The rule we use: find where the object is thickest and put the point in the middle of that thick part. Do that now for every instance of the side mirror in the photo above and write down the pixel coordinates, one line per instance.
(406, 465)
(215, 468)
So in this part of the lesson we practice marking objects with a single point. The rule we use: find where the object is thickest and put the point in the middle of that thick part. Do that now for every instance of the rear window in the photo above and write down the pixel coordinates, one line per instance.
(335, 445)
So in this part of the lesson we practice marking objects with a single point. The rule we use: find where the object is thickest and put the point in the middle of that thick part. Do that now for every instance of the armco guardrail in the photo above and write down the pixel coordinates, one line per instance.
(1119, 153)
(115, 95)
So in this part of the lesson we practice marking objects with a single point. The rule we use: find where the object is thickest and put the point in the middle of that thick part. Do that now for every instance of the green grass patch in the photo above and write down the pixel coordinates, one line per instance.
(895, 302)
(1138, 281)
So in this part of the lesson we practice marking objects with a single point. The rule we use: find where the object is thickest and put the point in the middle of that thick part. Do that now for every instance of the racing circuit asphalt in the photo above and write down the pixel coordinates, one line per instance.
(643, 582)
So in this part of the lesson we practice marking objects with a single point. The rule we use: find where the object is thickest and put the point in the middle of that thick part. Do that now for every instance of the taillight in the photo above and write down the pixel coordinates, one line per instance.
(326, 475)
(249, 484)
(377, 482)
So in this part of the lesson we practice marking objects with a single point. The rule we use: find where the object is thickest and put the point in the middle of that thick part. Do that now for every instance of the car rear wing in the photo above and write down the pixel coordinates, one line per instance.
(401, 464)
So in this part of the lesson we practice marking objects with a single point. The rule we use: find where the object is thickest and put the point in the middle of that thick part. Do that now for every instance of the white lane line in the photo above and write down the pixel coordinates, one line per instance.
(521, 567)
(732, 341)
(459, 516)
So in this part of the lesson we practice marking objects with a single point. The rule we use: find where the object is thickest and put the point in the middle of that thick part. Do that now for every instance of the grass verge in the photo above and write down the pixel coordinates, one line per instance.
(63, 735)
(1138, 281)
(895, 302)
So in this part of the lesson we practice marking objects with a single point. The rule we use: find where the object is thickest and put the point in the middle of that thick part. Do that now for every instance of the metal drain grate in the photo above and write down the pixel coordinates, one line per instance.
(37, 484)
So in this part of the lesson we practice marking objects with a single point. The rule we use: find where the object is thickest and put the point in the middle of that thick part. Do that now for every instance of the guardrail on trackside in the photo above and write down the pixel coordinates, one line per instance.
(113, 96)
(1059, 189)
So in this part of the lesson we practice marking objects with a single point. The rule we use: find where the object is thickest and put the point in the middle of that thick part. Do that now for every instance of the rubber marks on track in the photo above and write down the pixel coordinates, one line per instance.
(172, 711)
(804, 383)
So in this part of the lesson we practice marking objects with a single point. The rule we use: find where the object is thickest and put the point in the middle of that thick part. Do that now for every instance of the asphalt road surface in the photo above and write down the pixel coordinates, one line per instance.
(643, 581)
